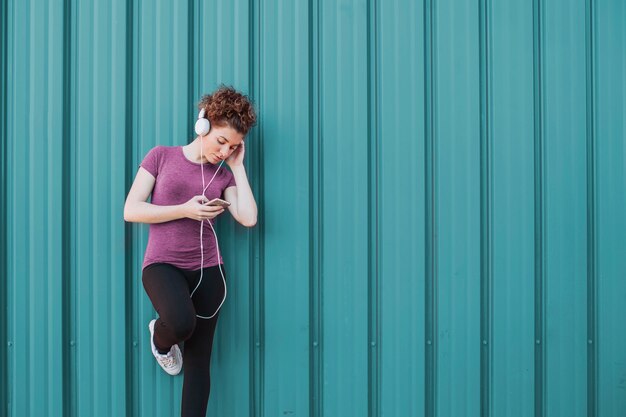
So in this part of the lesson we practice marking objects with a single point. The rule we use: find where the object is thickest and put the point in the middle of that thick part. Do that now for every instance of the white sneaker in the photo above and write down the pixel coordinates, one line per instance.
(172, 361)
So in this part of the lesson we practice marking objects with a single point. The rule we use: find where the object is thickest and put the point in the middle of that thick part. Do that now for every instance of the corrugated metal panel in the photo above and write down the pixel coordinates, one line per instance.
(564, 186)
(440, 187)
(282, 338)
(608, 94)
(509, 129)
(99, 312)
(399, 325)
(34, 203)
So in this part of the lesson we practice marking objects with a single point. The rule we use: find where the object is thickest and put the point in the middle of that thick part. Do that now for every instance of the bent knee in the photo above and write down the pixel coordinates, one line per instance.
(183, 327)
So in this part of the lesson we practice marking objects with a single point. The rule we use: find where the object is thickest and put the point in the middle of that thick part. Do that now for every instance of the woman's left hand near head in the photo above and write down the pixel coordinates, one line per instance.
(236, 158)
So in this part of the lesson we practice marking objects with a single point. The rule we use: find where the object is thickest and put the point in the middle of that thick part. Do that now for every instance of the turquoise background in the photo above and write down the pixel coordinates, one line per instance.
(441, 189)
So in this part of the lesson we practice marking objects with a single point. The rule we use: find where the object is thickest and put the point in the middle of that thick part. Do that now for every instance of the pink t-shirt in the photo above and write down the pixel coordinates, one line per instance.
(177, 242)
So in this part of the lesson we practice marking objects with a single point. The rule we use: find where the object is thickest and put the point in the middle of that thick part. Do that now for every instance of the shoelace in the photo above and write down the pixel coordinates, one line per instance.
(168, 360)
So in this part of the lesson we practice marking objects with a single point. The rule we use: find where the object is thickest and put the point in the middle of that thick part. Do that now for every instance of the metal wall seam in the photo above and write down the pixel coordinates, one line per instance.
(69, 381)
(373, 212)
(80, 186)
(145, 375)
(592, 359)
(4, 269)
(430, 165)
(316, 385)
(486, 219)
(9, 285)
(257, 279)
(131, 330)
(193, 86)
(71, 406)
(539, 211)
(137, 242)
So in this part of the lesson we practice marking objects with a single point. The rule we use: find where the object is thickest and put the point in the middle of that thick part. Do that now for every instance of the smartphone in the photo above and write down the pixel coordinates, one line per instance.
(218, 202)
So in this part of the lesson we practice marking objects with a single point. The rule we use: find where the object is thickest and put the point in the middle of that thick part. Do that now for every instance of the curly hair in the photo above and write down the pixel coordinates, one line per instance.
(227, 106)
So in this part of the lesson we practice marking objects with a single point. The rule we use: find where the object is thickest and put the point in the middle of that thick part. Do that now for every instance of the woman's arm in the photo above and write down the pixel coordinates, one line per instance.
(242, 204)
(138, 210)
(243, 207)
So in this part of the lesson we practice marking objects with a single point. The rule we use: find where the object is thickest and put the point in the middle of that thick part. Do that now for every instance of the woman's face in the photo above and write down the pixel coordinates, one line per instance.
(220, 143)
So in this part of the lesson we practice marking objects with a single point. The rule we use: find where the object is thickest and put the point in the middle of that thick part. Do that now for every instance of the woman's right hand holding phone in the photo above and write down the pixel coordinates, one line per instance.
(197, 209)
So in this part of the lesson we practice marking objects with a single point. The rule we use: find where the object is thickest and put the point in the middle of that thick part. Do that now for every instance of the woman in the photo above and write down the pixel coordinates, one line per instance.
(182, 269)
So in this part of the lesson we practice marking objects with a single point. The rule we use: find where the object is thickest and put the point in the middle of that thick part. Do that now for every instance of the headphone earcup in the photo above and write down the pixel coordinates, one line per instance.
(202, 127)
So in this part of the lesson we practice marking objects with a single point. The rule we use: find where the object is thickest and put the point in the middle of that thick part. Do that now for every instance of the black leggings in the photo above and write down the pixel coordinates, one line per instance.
(169, 288)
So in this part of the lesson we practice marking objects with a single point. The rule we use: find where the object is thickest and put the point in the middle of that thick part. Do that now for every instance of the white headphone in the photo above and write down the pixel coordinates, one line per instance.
(202, 124)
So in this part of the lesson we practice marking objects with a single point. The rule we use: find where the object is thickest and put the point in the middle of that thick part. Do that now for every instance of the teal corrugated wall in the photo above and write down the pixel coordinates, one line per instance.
(442, 194)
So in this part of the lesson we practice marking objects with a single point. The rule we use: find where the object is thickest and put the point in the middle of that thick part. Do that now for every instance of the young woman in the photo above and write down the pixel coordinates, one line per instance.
(183, 272)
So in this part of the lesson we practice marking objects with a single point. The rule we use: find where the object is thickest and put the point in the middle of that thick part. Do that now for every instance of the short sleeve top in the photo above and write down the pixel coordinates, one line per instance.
(178, 179)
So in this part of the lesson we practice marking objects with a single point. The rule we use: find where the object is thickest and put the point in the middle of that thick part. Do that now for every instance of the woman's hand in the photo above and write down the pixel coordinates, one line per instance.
(236, 158)
(196, 209)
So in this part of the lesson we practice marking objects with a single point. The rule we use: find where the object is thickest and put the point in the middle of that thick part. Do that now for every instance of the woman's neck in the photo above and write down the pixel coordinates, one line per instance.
(192, 151)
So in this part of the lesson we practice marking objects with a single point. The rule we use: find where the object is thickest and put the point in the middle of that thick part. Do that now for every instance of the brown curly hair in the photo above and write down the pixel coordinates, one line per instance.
(227, 106)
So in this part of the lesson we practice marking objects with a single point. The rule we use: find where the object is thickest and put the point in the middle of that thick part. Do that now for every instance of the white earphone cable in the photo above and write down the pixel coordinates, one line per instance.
(217, 246)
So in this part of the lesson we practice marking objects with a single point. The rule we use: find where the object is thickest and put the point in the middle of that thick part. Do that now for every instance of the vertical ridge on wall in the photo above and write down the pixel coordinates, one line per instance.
(131, 331)
(256, 284)
(71, 407)
(15, 102)
(430, 168)
(316, 372)
(193, 86)
(539, 209)
(13, 58)
(4, 271)
(121, 300)
(373, 212)
(609, 133)
(82, 260)
(592, 360)
(485, 209)
(257, 277)
(135, 242)
(512, 205)
(69, 380)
